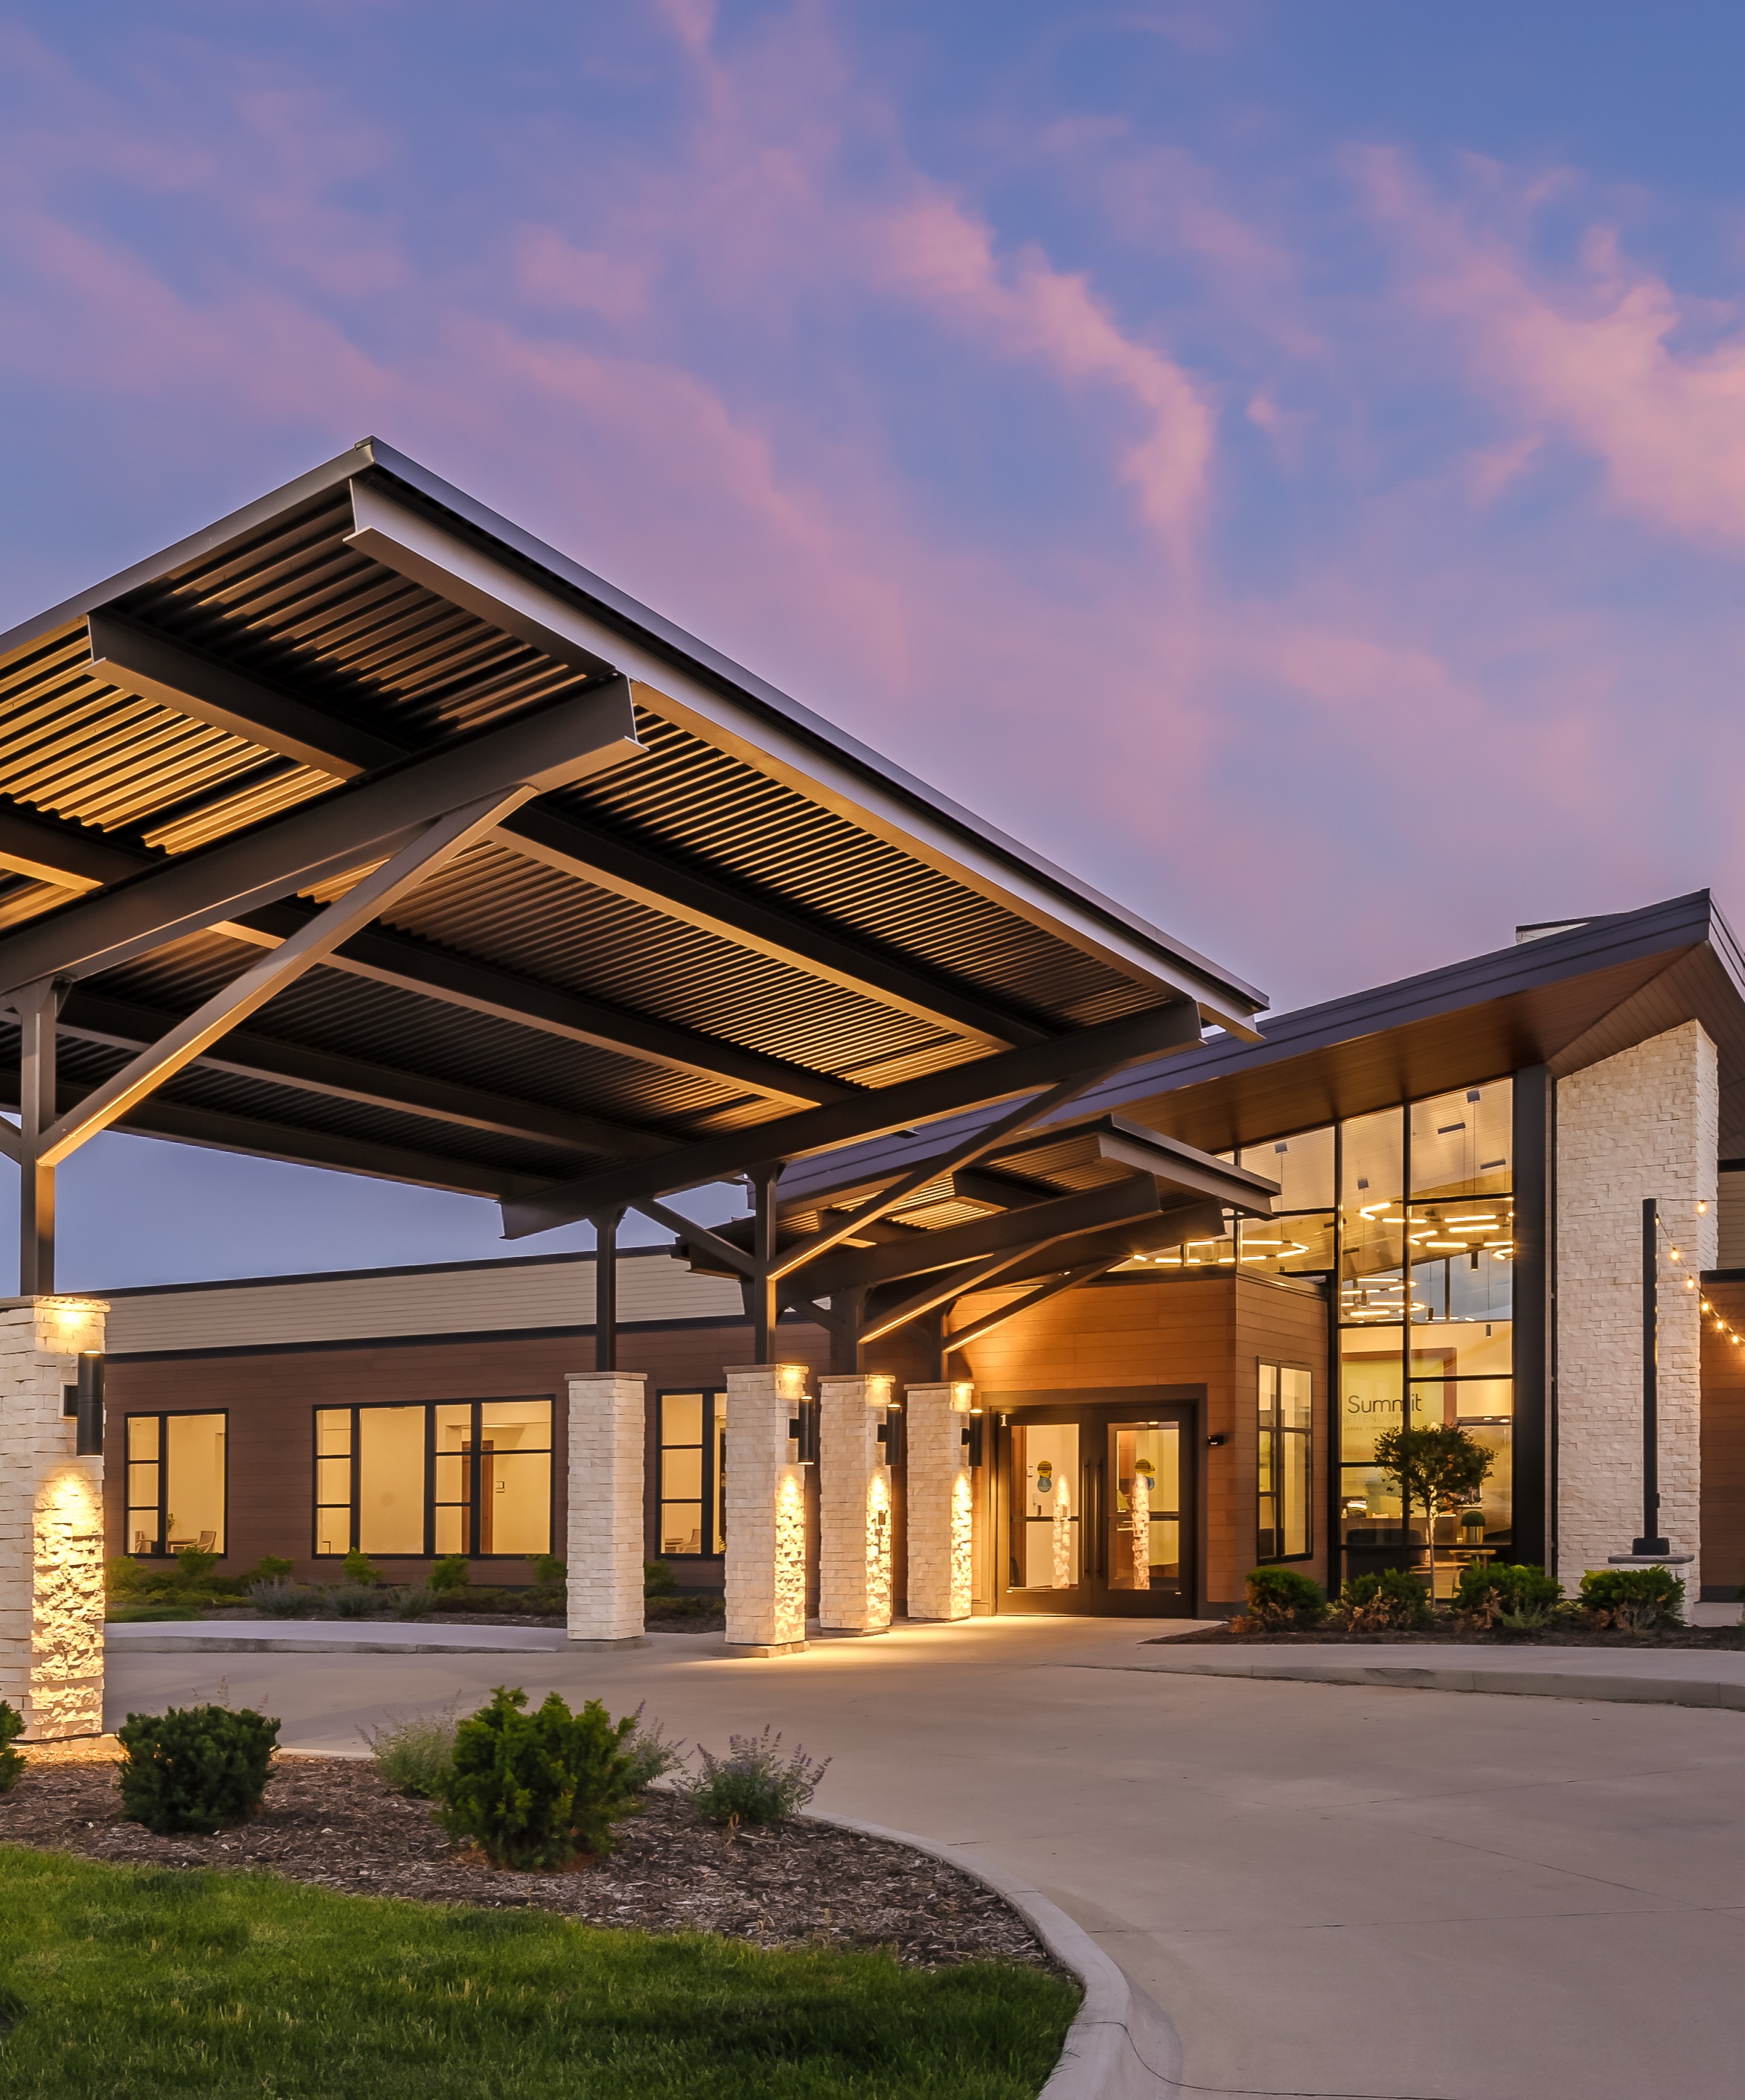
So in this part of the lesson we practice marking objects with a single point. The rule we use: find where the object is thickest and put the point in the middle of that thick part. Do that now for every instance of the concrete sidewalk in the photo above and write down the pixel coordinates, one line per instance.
(1669, 1677)
(1329, 1888)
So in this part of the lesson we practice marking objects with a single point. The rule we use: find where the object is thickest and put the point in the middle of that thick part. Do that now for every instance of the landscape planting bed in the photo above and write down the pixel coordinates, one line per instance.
(1456, 1633)
(332, 1821)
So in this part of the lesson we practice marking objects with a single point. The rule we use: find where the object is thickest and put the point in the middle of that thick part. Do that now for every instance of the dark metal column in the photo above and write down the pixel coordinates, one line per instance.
(605, 1290)
(1651, 1542)
(850, 1308)
(1534, 1185)
(762, 1286)
(36, 1007)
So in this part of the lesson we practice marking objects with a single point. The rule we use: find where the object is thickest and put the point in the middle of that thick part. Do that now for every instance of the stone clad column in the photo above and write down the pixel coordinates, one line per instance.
(941, 1507)
(765, 1544)
(1644, 1123)
(854, 1506)
(52, 1599)
(608, 1431)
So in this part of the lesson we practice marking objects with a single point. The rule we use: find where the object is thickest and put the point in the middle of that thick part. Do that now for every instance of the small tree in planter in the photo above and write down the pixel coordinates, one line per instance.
(1441, 1466)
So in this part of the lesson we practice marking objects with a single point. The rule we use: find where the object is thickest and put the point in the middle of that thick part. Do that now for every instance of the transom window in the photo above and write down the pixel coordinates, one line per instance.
(176, 1483)
(692, 1471)
(439, 1477)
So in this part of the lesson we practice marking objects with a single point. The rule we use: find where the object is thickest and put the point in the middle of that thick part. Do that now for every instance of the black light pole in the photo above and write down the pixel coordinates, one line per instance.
(1650, 1545)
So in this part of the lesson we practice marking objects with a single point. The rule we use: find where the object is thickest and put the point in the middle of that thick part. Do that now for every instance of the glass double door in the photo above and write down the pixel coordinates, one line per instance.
(1096, 1511)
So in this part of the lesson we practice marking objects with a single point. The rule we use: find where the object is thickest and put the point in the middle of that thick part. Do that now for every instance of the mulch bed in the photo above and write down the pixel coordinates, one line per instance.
(661, 1616)
(1454, 1632)
(331, 1821)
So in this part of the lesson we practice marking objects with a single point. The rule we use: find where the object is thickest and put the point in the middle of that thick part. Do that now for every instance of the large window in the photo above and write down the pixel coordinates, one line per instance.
(693, 1469)
(1286, 1527)
(175, 1483)
(471, 1476)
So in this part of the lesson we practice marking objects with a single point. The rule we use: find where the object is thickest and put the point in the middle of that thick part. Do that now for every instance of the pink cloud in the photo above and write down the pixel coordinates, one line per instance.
(1590, 356)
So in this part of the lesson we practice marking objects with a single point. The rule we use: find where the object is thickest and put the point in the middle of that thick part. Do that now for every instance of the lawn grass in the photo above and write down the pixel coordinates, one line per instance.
(136, 1982)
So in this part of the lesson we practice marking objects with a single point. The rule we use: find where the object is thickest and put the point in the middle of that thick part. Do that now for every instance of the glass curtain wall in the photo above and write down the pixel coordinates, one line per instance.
(1412, 1212)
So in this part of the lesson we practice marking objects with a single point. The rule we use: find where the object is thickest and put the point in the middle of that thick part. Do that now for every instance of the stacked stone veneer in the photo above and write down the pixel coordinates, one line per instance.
(765, 1555)
(607, 1431)
(940, 1507)
(854, 1506)
(1644, 1123)
(52, 1599)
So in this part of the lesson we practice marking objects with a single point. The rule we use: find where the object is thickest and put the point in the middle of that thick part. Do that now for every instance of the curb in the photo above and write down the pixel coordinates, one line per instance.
(292, 1644)
(1121, 2045)
(1713, 1692)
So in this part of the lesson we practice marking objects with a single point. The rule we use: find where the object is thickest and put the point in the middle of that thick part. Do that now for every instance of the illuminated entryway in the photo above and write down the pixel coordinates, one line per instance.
(1093, 1506)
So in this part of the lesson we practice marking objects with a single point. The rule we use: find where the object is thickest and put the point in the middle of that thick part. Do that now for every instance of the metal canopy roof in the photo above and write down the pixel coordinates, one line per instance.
(363, 829)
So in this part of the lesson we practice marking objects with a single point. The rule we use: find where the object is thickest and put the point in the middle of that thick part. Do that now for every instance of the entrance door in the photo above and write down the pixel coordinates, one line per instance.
(1094, 1511)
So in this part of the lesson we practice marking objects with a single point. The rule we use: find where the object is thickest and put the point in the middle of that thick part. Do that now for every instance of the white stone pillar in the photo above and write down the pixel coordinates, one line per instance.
(52, 1599)
(1644, 1123)
(854, 1506)
(765, 1546)
(940, 1507)
(608, 1434)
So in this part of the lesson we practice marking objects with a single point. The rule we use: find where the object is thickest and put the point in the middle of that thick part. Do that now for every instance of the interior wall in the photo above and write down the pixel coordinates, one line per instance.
(1724, 1442)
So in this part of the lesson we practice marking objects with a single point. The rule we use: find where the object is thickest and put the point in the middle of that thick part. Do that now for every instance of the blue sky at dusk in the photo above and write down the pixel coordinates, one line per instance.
(1286, 462)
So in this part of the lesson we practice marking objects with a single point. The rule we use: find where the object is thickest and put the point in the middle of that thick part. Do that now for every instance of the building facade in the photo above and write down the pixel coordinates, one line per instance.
(1462, 1163)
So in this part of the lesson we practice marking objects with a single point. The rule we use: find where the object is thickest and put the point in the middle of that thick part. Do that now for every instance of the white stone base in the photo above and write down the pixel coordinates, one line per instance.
(51, 1586)
(854, 1506)
(941, 1505)
(765, 1546)
(608, 1431)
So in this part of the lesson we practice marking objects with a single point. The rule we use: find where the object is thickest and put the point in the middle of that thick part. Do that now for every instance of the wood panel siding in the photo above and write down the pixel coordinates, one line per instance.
(1210, 1331)
(1723, 1442)
(270, 1396)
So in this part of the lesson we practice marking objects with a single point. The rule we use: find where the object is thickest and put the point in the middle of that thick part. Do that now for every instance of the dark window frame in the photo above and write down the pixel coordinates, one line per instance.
(162, 1415)
(713, 1475)
(1277, 1432)
(354, 1456)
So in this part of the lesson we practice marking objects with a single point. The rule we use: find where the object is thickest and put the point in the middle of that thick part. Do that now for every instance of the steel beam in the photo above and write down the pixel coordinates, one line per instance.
(318, 840)
(93, 1017)
(1031, 1069)
(36, 1008)
(1087, 1272)
(438, 843)
(605, 1290)
(849, 1223)
(140, 660)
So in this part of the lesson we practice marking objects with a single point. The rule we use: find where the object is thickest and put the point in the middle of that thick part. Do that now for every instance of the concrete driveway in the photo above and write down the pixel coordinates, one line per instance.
(1331, 1890)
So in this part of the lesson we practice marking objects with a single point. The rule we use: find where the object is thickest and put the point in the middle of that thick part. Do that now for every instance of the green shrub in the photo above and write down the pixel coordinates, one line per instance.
(1279, 1597)
(451, 1572)
(754, 1782)
(533, 1789)
(193, 1565)
(657, 1579)
(196, 1768)
(123, 1576)
(415, 1756)
(415, 1603)
(270, 1568)
(354, 1600)
(651, 1754)
(1517, 1598)
(1632, 1599)
(359, 1568)
(11, 1764)
(1391, 1601)
(282, 1600)
(549, 1573)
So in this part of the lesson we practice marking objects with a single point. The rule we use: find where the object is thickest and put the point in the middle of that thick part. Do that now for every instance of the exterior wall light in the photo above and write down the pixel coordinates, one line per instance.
(88, 1441)
(803, 1429)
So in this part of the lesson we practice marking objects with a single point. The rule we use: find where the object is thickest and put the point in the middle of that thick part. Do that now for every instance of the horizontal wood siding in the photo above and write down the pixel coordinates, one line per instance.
(1209, 1331)
(271, 1397)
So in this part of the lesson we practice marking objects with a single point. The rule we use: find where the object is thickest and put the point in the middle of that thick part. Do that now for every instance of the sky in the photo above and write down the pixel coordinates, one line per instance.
(1284, 462)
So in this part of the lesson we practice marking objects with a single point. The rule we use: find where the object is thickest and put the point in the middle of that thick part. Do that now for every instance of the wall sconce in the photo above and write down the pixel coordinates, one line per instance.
(88, 1441)
(1218, 1439)
(974, 1441)
(891, 1435)
(803, 1429)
